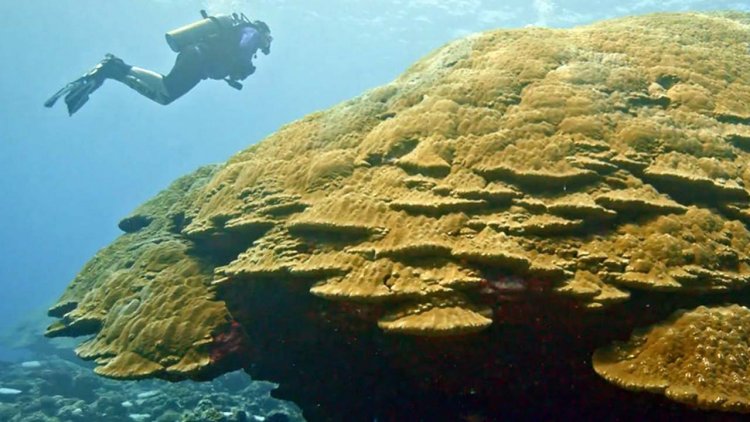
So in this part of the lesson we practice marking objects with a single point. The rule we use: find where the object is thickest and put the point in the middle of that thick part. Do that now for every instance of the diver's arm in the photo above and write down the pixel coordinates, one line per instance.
(242, 65)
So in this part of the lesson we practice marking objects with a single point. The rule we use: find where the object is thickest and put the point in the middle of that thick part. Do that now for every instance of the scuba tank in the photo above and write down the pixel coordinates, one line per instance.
(208, 29)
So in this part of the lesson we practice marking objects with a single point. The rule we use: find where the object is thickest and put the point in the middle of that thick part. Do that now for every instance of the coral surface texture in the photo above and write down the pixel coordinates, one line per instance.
(478, 238)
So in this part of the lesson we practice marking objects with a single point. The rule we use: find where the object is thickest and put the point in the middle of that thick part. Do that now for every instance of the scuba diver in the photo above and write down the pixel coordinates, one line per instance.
(218, 47)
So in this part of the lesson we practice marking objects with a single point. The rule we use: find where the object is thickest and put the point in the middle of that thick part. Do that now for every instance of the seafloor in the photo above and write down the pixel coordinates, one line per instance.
(58, 390)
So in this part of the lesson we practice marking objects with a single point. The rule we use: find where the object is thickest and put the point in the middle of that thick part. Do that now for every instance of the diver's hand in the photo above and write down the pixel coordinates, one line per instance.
(243, 72)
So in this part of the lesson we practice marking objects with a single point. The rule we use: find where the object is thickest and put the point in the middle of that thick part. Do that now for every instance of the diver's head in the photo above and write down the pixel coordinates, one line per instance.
(265, 31)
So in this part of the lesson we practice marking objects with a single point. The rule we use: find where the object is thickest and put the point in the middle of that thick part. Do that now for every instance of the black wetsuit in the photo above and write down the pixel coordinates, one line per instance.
(200, 61)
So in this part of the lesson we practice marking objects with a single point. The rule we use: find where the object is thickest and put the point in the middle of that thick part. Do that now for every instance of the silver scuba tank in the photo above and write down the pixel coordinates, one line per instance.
(206, 29)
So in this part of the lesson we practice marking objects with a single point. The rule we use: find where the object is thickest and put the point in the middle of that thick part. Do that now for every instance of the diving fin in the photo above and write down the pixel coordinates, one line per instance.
(77, 92)
(53, 99)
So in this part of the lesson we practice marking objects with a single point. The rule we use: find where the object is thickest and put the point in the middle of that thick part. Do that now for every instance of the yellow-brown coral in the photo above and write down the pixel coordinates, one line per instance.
(700, 357)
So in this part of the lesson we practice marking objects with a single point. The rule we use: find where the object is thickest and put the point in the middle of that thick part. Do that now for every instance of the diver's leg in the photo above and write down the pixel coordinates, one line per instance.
(187, 72)
(147, 83)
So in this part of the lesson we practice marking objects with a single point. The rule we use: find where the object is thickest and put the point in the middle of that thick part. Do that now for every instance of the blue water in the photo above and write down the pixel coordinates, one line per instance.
(66, 182)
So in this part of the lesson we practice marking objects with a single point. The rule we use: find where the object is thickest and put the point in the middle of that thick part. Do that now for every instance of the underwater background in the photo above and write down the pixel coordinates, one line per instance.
(66, 182)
